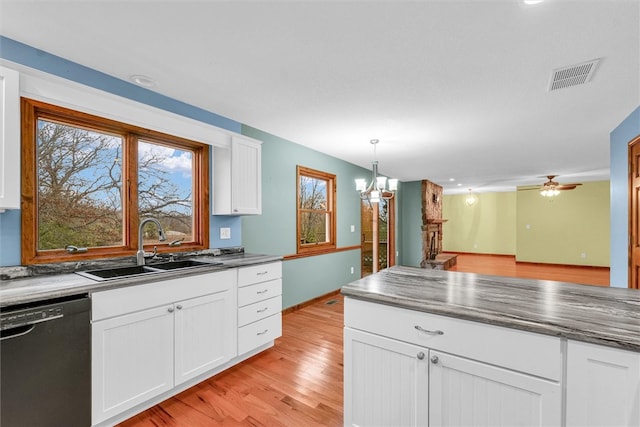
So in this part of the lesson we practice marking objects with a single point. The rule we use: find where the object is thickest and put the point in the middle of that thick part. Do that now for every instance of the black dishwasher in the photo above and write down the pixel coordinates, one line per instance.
(45, 363)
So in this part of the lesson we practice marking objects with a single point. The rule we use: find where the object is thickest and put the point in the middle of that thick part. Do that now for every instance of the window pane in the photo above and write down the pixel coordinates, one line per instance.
(314, 227)
(165, 189)
(315, 211)
(79, 187)
(313, 193)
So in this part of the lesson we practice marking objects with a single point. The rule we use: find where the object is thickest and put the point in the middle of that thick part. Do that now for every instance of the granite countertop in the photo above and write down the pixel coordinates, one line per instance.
(599, 315)
(18, 286)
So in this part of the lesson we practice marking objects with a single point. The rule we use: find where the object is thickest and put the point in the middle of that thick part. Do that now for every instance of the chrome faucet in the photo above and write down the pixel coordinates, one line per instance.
(161, 237)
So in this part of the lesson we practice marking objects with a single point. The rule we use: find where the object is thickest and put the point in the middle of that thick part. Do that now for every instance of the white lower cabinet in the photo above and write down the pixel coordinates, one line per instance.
(603, 386)
(202, 336)
(385, 383)
(465, 392)
(399, 370)
(132, 360)
(149, 339)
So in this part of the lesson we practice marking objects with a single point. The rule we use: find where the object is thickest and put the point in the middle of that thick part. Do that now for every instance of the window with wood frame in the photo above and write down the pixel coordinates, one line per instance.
(87, 182)
(316, 211)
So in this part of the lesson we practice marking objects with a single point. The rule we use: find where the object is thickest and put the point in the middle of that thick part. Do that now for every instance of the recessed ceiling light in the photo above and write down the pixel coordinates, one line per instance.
(452, 179)
(530, 2)
(143, 81)
(459, 185)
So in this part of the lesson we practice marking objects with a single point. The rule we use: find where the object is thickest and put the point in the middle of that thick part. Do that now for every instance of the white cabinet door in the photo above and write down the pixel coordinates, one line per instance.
(468, 393)
(386, 382)
(132, 360)
(246, 185)
(603, 386)
(204, 334)
(237, 178)
(9, 139)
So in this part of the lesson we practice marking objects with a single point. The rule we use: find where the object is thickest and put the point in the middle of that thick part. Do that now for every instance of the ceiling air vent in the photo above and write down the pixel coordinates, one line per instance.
(573, 75)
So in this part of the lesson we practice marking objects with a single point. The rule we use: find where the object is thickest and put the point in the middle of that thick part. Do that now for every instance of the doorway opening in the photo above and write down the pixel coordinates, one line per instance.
(378, 235)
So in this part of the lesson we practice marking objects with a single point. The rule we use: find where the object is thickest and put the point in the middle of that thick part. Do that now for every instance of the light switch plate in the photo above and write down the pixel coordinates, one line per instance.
(225, 233)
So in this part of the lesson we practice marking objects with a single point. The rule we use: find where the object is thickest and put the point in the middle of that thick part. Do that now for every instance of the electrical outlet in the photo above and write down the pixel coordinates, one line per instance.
(225, 233)
(352, 270)
(583, 255)
(353, 228)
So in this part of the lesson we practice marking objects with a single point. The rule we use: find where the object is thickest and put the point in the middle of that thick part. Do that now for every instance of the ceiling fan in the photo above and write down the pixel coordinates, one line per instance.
(552, 188)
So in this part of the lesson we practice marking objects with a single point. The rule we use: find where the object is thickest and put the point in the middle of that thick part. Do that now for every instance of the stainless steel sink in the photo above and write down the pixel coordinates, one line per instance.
(138, 270)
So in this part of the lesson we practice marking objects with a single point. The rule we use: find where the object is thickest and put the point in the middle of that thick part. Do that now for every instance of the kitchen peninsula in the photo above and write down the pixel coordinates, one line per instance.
(427, 347)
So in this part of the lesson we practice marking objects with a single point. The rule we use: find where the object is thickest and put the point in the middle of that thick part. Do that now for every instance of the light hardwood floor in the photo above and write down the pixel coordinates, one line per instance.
(506, 266)
(299, 381)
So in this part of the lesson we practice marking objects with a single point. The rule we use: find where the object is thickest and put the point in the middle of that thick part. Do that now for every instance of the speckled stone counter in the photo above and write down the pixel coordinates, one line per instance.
(60, 281)
(600, 315)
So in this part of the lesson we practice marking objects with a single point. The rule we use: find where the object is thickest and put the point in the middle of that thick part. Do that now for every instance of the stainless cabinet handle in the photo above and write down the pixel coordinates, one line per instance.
(426, 331)
(261, 273)
(262, 292)
(170, 309)
(263, 332)
(420, 356)
(434, 359)
(179, 307)
(263, 310)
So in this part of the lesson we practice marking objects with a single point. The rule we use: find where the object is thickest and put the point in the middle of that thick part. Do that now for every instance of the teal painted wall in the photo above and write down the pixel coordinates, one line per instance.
(274, 232)
(619, 140)
(410, 223)
(306, 278)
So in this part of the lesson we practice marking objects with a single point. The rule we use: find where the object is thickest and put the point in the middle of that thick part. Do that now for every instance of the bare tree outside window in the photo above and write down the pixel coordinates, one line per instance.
(313, 207)
(79, 187)
(316, 210)
(165, 188)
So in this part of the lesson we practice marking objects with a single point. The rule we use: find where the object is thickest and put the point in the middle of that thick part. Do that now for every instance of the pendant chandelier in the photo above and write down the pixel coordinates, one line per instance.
(471, 199)
(376, 190)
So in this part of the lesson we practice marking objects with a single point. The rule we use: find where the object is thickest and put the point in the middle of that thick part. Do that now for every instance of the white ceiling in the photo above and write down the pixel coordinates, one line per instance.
(452, 89)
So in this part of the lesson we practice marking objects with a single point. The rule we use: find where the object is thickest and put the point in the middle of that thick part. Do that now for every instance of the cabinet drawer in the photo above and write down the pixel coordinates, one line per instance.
(527, 352)
(259, 273)
(258, 333)
(128, 299)
(261, 291)
(259, 310)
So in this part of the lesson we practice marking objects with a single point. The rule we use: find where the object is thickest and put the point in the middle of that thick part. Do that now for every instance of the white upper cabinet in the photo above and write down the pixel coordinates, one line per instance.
(9, 139)
(237, 178)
